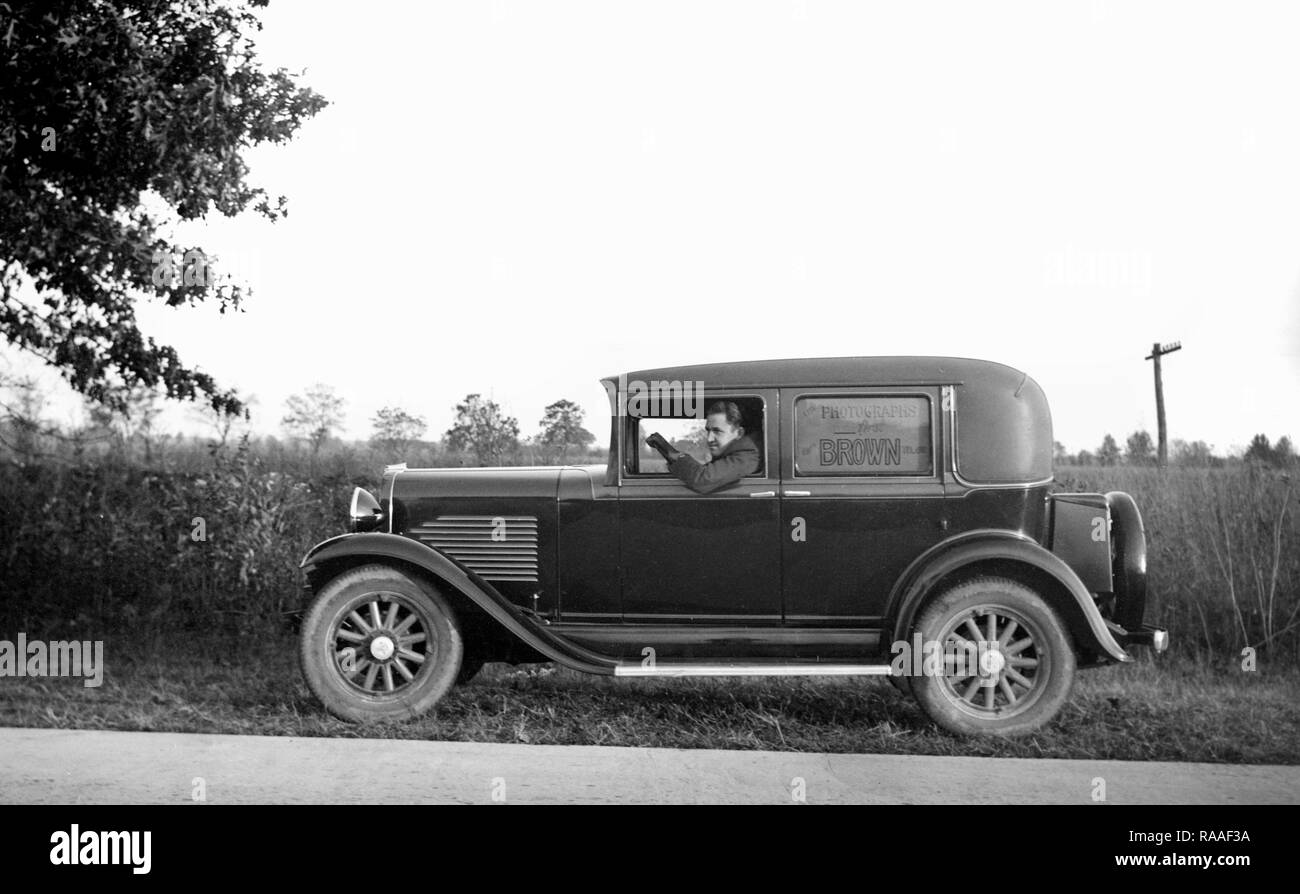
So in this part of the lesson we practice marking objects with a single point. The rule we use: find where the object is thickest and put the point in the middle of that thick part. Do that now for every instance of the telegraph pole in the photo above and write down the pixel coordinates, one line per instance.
(1158, 351)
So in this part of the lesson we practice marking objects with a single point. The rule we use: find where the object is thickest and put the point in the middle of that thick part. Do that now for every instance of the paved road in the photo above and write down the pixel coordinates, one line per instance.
(87, 766)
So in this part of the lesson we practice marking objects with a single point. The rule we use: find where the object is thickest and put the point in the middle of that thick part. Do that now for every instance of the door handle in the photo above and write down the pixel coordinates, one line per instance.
(764, 493)
(797, 493)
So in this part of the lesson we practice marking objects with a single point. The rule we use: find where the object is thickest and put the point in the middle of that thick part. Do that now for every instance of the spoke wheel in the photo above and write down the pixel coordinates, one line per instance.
(379, 645)
(1007, 663)
(383, 645)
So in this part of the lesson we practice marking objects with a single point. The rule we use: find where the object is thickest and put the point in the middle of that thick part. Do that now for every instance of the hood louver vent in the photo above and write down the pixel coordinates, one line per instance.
(500, 547)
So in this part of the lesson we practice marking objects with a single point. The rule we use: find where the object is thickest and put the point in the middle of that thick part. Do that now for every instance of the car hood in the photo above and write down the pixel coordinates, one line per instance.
(503, 481)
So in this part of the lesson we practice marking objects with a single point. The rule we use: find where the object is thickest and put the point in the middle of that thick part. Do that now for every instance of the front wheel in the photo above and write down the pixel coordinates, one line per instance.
(1007, 663)
(378, 644)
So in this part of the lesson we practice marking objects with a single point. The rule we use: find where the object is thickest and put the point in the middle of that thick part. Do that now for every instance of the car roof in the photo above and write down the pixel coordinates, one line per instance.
(833, 372)
(1004, 420)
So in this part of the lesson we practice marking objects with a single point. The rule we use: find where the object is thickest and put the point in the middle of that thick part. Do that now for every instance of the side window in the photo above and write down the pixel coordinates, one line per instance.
(689, 436)
(879, 434)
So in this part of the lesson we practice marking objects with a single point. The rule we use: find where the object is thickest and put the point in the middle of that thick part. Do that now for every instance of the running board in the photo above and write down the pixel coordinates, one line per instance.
(751, 670)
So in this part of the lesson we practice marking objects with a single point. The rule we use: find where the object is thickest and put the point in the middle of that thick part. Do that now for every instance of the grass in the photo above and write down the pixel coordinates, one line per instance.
(1149, 711)
(1223, 553)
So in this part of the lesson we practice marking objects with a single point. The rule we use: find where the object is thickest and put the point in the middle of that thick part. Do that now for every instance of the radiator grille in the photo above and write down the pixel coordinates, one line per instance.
(495, 547)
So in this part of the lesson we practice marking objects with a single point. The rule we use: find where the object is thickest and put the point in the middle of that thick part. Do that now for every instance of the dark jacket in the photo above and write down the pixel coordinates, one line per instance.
(737, 459)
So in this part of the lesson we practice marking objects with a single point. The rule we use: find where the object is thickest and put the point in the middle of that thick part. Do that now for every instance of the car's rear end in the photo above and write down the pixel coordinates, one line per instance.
(1100, 536)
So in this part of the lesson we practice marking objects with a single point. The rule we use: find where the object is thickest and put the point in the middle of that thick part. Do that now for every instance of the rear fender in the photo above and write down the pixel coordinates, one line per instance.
(1006, 553)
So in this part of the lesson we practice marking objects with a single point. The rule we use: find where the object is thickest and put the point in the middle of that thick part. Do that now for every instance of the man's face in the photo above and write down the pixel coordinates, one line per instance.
(720, 432)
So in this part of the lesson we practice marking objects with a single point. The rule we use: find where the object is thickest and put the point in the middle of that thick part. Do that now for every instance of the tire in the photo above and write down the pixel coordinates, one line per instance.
(1129, 563)
(405, 646)
(1013, 694)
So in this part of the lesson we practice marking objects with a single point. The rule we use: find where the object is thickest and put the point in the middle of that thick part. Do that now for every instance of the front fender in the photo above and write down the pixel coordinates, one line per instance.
(997, 550)
(379, 546)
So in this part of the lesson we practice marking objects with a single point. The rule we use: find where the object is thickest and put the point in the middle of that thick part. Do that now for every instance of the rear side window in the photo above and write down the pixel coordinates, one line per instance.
(878, 434)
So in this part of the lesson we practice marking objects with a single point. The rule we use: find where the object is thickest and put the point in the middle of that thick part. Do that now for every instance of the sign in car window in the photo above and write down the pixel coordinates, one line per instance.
(877, 435)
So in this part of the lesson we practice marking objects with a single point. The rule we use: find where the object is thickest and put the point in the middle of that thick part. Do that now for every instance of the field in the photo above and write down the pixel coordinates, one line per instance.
(199, 630)
(1223, 555)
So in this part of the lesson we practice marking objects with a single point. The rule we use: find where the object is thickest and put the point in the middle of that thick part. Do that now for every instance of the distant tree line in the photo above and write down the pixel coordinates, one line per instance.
(1139, 450)
(481, 430)
(482, 433)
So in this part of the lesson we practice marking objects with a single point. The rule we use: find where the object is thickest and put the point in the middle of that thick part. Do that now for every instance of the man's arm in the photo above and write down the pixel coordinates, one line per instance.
(705, 478)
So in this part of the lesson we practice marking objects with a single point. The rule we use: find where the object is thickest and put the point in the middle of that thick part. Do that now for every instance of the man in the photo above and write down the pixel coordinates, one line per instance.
(733, 453)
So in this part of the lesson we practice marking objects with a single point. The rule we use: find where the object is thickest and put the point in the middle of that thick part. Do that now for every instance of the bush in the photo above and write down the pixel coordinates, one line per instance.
(200, 538)
(112, 545)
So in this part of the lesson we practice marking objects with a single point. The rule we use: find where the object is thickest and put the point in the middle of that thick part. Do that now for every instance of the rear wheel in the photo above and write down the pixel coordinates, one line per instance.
(378, 644)
(1007, 662)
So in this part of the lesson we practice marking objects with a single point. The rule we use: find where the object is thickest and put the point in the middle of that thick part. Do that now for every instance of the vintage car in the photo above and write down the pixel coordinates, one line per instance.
(900, 523)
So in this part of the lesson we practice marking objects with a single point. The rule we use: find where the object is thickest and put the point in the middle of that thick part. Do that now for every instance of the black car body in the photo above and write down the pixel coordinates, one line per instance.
(898, 501)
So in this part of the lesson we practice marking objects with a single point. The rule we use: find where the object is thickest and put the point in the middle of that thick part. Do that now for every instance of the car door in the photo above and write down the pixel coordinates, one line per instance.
(699, 558)
(861, 497)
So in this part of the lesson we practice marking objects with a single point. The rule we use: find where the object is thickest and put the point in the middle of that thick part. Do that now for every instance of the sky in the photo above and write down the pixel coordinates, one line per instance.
(519, 198)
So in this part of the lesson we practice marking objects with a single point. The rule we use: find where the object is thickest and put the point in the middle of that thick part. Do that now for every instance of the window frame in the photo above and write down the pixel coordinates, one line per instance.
(631, 446)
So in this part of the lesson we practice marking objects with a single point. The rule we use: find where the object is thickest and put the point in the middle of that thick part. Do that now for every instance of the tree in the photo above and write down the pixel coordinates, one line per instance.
(1195, 454)
(1060, 455)
(101, 103)
(1108, 452)
(139, 416)
(562, 430)
(1084, 458)
(313, 415)
(395, 429)
(129, 419)
(221, 422)
(21, 425)
(1259, 451)
(1138, 449)
(482, 429)
(1283, 452)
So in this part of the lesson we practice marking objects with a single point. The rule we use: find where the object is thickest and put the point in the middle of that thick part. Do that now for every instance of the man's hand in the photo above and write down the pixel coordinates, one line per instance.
(658, 442)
